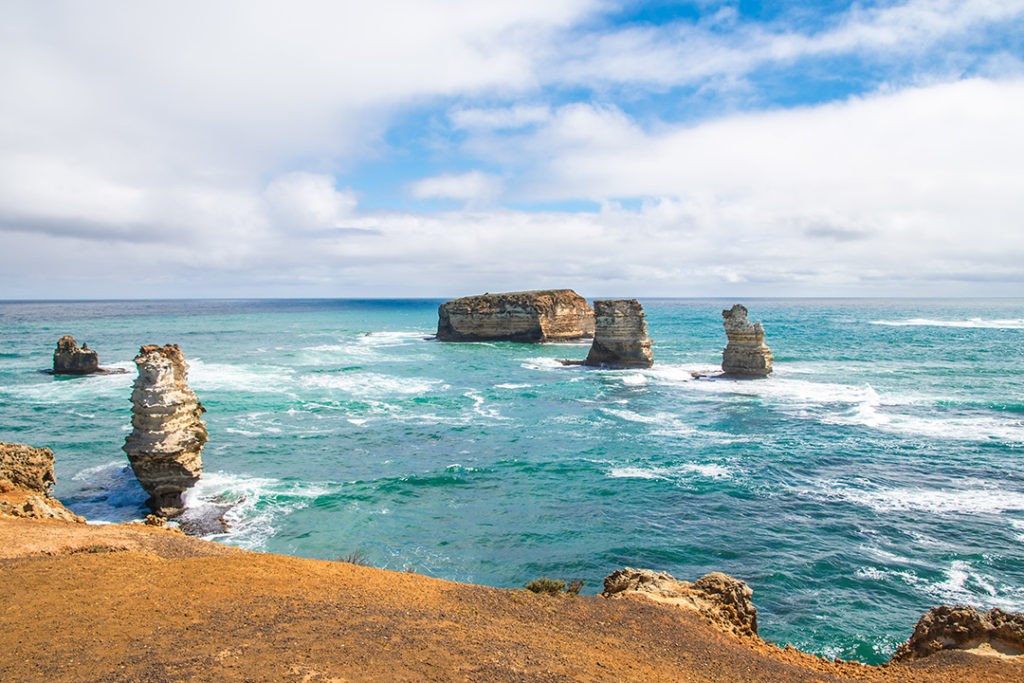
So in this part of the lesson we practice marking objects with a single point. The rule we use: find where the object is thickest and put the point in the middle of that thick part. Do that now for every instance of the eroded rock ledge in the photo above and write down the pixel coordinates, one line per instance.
(721, 599)
(964, 628)
(746, 354)
(166, 443)
(26, 475)
(620, 336)
(536, 316)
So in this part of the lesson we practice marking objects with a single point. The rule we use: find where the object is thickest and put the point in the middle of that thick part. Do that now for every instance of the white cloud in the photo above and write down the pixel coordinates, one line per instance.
(474, 188)
(308, 201)
(194, 148)
(504, 118)
(692, 53)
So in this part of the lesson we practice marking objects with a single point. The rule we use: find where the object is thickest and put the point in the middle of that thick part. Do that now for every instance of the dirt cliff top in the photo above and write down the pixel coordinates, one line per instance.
(134, 603)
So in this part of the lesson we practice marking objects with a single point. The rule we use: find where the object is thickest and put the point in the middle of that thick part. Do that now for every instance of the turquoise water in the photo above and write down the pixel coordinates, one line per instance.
(875, 474)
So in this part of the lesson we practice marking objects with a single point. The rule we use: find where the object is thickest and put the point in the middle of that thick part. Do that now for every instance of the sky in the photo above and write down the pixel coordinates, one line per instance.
(437, 148)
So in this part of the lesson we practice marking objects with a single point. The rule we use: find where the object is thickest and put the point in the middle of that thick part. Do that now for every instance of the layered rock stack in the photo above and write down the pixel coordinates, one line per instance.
(620, 335)
(746, 354)
(166, 444)
(68, 359)
(548, 315)
(26, 475)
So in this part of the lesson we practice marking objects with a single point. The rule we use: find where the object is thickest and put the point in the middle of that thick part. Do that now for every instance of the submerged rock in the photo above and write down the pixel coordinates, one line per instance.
(68, 359)
(746, 354)
(620, 335)
(547, 315)
(166, 444)
(26, 475)
(964, 628)
(723, 600)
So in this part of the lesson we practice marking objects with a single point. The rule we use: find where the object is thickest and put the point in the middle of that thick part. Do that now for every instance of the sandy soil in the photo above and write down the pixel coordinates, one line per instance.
(134, 603)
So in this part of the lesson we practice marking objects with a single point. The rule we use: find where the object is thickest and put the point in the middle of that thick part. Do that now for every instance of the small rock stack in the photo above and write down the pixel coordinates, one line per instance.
(620, 335)
(746, 354)
(166, 444)
(68, 359)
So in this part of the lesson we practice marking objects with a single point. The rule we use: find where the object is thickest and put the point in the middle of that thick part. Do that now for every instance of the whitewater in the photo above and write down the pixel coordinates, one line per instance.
(876, 473)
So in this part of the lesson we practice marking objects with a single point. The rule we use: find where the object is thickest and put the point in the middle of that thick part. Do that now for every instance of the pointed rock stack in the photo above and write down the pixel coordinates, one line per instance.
(746, 354)
(68, 359)
(166, 444)
(539, 316)
(620, 335)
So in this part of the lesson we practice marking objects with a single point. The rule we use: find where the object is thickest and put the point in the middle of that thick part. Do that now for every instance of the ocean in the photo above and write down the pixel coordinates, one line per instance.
(875, 474)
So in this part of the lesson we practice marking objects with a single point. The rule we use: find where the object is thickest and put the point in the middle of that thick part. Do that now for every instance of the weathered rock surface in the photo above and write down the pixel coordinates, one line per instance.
(620, 335)
(68, 359)
(746, 354)
(165, 446)
(26, 475)
(964, 628)
(539, 316)
(723, 600)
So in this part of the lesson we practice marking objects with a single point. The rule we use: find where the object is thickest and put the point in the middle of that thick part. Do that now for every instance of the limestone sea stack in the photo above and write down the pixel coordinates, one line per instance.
(547, 315)
(746, 354)
(166, 444)
(68, 359)
(620, 335)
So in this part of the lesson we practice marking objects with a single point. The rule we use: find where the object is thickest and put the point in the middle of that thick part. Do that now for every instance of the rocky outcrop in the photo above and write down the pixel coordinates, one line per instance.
(548, 315)
(964, 628)
(165, 446)
(746, 354)
(723, 600)
(68, 359)
(26, 475)
(620, 335)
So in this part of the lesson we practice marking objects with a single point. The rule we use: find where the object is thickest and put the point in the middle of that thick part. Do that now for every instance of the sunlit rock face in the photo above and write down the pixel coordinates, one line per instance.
(720, 598)
(964, 628)
(548, 315)
(620, 335)
(26, 475)
(746, 354)
(166, 443)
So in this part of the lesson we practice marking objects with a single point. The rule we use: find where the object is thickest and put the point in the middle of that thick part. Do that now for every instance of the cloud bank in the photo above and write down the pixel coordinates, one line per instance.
(443, 148)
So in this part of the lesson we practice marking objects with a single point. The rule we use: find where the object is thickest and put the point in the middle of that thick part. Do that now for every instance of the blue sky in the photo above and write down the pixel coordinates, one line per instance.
(443, 148)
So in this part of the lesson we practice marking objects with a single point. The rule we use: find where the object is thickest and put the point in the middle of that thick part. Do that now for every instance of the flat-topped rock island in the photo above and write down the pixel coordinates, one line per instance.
(544, 315)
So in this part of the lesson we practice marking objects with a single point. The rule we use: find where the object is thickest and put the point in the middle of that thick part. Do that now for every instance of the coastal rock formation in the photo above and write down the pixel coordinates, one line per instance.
(26, 475)
(538, 316)
(620, 335)
(68, 359)
(166, 444)
(718, 597)
(964, 628)
(746, 354)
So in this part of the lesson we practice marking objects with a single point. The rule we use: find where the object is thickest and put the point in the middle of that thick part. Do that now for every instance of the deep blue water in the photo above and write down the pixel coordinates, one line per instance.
(875, 474)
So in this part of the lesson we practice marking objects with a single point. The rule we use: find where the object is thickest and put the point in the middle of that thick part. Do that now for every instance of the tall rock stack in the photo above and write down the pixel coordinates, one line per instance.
(167, 441)
(544, 315)
(68, 359)
(620, 335)
(746, 354)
